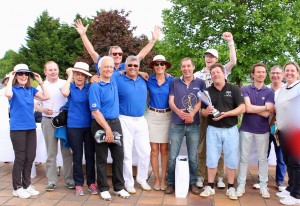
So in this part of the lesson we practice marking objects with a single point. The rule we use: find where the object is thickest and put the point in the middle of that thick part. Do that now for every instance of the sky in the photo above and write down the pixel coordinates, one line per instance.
(17, 15)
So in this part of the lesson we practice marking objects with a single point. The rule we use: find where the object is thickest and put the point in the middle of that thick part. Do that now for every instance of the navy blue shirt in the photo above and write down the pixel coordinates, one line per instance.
(22, 108)
(159, 95)
(185, 96)
(104, 97)
(79, 115)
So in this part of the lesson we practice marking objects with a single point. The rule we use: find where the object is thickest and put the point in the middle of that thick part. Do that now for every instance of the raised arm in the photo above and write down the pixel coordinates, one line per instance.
(65, 91)
(8, 89)
(44, 94)
(155, 36)
(86, 42)
(232, 54)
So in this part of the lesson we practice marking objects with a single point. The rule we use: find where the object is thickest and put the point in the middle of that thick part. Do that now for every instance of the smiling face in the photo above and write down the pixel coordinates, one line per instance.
(187, 68)
(210, 59)
(106, 68)
(217, 76)
(132, 69)
(159, 67)
(22, 78)
(116, 54)
(291, 73)
(79, 78)
(259, 74)
(51, 71)
(276, 75)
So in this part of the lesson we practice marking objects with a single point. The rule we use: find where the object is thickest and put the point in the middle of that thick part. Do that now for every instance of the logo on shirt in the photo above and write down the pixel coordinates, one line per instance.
(94, 105)
(228, 94)
(263, 98)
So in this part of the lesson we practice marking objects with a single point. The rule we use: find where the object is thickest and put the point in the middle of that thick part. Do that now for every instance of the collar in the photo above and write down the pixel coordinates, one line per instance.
(293, 84)
(263, 87)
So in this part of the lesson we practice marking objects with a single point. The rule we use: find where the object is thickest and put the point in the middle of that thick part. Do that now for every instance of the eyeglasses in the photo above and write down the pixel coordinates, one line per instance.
(277, 73)
(133, 65)
(159, 63)
(23, 73)
(117, 53)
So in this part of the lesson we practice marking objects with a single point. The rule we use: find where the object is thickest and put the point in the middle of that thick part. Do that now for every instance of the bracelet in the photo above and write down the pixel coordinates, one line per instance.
(231, 43)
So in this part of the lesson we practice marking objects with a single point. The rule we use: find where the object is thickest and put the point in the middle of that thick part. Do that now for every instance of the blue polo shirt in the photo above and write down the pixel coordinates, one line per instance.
(79, 115)
(185, 96)
(159, 95)
(22, 108)
(104, 97)
(122, 66)
(251, 122)
(132, 95)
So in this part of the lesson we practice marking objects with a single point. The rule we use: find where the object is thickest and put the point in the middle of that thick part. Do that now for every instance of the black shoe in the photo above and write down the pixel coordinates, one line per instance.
(70, 185)
(170, 189)
(50, 187)
(194, 189)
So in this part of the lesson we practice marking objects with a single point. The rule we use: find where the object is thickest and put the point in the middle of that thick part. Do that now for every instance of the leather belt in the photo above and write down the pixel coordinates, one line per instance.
(112, 121)
(159, 110)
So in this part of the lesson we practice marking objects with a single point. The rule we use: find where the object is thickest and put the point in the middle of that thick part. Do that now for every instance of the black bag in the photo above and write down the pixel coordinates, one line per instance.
(61, 119)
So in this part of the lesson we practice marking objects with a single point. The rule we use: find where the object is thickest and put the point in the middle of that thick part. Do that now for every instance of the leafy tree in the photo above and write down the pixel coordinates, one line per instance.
(7, 62)
(264, 31)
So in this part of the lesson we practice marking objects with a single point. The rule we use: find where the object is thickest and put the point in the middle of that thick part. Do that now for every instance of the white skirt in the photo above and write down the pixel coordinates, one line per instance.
(158, 124)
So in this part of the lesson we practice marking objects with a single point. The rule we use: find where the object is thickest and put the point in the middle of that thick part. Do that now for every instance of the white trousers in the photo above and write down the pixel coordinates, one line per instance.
(135, 134)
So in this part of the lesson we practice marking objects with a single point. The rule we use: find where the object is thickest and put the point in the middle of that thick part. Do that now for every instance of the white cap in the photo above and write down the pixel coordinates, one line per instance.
(212, 52)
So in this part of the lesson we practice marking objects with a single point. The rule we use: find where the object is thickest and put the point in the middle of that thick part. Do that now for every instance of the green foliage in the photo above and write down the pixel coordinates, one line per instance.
(7, 62)
(264, 31)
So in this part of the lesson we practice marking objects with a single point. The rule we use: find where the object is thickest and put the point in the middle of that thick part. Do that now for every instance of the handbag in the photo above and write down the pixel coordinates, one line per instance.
(61, 119)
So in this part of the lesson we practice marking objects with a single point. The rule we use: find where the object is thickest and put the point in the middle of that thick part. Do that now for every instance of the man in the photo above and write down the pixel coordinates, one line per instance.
(259, 101)
(185, 122)
(50, 108)
(276, 76)
(211, 57)
(222, 132)
(115, 51)
(104, 104)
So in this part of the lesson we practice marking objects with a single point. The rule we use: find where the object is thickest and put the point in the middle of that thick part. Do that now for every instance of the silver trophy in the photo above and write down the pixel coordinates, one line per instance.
(100, 137)
(205, 98)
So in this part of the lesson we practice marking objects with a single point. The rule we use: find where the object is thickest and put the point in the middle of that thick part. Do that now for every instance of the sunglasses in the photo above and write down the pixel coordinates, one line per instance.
(117, 53)
(133, 65)
(159, 63)
(23, 73)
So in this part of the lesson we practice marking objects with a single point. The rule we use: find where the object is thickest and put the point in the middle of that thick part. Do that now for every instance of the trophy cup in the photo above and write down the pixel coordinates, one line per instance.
(100, 137)
(205, 98)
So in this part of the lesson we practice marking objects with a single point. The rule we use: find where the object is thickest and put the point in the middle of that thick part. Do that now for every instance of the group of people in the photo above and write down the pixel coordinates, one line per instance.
(115, 103)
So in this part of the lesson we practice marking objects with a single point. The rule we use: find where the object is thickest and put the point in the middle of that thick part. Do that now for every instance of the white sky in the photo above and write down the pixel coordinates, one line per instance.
(17, 15)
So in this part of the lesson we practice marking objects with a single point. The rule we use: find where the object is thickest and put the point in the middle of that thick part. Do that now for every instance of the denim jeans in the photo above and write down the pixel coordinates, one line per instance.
(280, 165)
(176, 134)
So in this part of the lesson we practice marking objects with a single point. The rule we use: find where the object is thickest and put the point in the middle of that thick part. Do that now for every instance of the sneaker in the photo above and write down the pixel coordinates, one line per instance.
(208, 191)
(79, 191)
(93, 189)
(264, 192)
(50, 187)
(220, 183)
(21, 193)
(31, 190)
(290, 201)
(170, 189)
(200, 181)
(122, 193)
(105, 195)
(283, 194)
(144, 185)
(256, 186)
(231, 193)
(240, 190)
(280, 186)
(194, 189)
(130, 189)
(70, 185)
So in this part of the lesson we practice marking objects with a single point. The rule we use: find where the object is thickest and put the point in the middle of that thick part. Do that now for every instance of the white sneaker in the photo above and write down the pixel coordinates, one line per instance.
(31, 190)
(264, 192)
(200, 181)
(21, 193)
(290, 201)
(283, 194)
(208, 191)
(130, 189)
(231, 193)
(105, 195)
(220, 183)
(122, 193)
(240, 190)
(256, 186)
(280, 186)
(144, 185)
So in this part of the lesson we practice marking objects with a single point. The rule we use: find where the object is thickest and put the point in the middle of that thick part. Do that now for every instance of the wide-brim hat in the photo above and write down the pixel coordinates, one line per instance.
(82, 67)
(22, 68)
(5, 78)
(213, 52)
(160, 58)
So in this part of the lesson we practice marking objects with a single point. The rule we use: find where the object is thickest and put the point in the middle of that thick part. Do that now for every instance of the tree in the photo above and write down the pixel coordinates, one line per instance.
(7, 62)
(113, 28)
(264, 31)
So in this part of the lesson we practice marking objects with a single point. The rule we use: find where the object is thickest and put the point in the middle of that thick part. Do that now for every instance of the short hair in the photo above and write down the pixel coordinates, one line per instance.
(292, 63)
(258, 65)
(104, 58)
(132, 58)
(28, 83)
(217, 65)
(275, 67)
(50, 62)
(113, 47)
(187, 59)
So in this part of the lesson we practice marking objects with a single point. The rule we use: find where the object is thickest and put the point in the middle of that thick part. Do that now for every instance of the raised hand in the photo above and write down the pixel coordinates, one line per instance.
(227, 36)
(156, 33)
(80, 28)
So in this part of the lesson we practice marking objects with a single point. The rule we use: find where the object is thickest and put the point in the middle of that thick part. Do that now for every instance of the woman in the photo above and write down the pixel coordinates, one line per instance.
(79, 126)
(159, 117)
(20, 94)
(288, 118)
